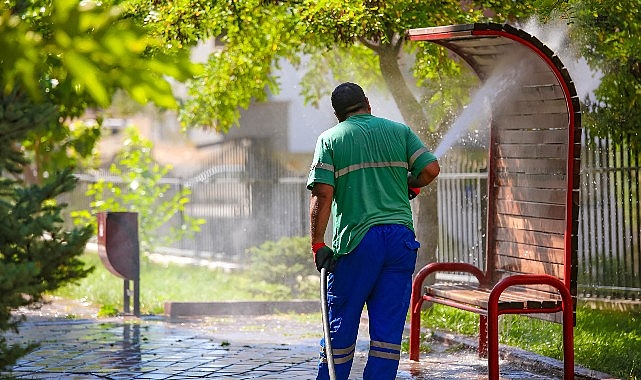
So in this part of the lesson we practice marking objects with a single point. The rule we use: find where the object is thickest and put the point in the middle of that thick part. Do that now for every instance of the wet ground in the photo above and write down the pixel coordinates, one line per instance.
(77, 345)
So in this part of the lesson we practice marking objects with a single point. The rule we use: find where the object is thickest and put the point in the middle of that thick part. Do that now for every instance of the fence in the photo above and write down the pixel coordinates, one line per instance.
(247, 198)
(244, 196)
(610, 229)
(609, 220)
(461, 189)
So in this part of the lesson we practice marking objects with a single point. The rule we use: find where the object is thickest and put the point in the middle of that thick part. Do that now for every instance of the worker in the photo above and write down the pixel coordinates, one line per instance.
(364, 171)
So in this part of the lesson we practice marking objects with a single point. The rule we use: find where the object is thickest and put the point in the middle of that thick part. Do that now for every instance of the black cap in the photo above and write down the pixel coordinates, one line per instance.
(347, 97)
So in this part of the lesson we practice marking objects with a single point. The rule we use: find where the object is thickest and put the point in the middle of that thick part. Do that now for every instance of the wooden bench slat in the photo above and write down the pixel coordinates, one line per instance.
(538, 92)
(539, 78)
(508, 264)
(528, 223)
(543, 136)
(541, 292)
(541, 239)
(478, 297)
(532, 150)
(538, 181)
(532, 165)
(529, 251)
(540, 210)
(511, 193)
(485, 43)
(521, 122)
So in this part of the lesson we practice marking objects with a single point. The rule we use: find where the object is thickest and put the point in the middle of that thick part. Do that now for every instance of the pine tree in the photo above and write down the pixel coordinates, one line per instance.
(36, 253)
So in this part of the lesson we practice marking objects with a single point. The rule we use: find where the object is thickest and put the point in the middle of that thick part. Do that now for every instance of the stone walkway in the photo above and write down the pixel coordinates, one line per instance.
(235, 347)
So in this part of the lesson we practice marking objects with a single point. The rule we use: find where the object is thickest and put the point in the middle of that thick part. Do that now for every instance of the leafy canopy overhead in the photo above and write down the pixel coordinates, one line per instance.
(359, 40)
(84, 52)
(254, 36)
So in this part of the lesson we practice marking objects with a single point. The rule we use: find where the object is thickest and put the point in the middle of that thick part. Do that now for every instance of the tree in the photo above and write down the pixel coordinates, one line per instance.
(356, 40)
(609, 34)
(141, 190)
(56, 59)
(36, 254)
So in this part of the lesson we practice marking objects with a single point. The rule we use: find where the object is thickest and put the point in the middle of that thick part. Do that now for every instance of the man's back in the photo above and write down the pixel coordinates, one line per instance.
(370, 157)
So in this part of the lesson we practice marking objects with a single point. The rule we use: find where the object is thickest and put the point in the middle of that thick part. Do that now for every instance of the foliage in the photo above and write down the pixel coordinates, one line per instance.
(84, 52)
(57, 58)
(77, 56)
(64, 145)
(609, 34)
(36, 253)
(285, 264)
(604, 340)
(362, 41)
(254, 36)
(140, 189)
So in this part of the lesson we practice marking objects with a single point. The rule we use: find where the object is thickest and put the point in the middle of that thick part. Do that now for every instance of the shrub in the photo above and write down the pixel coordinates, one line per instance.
(284, 269)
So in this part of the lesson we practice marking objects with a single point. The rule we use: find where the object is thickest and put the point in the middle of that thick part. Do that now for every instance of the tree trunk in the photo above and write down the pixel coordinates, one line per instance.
(425, 205)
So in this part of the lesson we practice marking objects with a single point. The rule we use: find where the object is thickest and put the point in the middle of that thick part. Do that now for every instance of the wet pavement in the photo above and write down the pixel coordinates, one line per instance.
(74, 345)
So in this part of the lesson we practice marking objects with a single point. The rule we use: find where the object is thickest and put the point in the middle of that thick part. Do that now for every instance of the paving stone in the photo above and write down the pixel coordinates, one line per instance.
(257, 347)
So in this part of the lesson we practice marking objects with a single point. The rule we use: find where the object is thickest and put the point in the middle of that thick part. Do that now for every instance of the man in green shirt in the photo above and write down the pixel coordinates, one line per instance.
(362, 172)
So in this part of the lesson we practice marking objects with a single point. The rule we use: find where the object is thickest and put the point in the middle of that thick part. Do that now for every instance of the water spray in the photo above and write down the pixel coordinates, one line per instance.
(489, 96)
(555, 35)
(478, 113)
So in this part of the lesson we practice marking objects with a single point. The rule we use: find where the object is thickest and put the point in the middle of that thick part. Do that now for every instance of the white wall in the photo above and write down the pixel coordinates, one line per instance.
(306, 122)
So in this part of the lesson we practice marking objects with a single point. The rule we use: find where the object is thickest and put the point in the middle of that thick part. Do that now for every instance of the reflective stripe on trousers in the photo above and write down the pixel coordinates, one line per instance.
(385, 350)
(341, 356)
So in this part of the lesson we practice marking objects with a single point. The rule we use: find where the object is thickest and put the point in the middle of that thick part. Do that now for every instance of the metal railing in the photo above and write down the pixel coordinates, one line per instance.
(610, 222)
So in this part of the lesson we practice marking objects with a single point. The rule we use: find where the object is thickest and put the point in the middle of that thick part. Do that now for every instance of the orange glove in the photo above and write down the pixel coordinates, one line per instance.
(413, 192)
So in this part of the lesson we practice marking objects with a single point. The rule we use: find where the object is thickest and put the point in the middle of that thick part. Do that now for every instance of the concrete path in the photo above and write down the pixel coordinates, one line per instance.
(234, 347)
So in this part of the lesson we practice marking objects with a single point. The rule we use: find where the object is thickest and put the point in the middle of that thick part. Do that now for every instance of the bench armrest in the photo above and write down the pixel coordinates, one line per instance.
(528, 279)
(417, 284)
(447, 267)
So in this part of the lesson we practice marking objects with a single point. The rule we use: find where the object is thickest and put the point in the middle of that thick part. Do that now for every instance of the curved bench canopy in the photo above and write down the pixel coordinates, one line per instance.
(535, 137)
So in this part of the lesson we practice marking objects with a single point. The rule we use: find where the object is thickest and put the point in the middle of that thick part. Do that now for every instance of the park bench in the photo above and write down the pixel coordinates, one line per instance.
(532, 196)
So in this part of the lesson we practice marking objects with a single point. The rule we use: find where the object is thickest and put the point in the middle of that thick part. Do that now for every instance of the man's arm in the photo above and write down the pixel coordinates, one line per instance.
(426, 176)
(320, 207)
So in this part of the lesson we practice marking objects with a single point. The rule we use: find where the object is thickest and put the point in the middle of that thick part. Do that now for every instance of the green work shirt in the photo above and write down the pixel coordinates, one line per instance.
(366, 159)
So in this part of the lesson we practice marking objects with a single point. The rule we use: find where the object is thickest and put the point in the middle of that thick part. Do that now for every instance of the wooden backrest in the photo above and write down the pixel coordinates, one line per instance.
(533, 180)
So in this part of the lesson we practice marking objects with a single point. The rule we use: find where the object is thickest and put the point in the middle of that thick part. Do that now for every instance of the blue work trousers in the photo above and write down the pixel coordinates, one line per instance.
(378, 273)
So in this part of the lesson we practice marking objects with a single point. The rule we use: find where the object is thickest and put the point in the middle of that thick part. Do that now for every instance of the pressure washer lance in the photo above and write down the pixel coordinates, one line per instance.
(329, 355)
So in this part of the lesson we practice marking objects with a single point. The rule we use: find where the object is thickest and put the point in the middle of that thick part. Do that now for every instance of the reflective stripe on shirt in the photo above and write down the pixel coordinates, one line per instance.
(351, 168)
(322, 165)
(416, 155)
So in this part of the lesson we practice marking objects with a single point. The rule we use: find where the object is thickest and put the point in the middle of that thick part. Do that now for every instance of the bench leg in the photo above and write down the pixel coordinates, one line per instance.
(568, 344)
(415, 328)
(482, 336)
(493, 344)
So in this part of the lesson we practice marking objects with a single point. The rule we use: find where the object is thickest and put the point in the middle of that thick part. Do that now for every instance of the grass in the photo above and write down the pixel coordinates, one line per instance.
(604, 340)
(160, 283)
